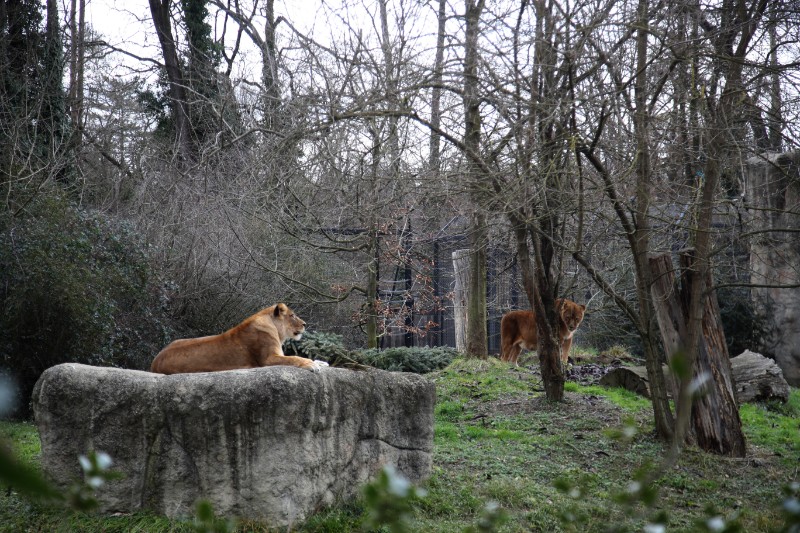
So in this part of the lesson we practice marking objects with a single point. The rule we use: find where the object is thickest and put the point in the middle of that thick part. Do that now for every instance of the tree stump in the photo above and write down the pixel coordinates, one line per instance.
(715, 422)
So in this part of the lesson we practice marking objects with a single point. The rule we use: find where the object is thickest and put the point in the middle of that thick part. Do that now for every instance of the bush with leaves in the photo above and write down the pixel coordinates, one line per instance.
(77, 287)
(317, 345)
(419, 360)
(330, 347)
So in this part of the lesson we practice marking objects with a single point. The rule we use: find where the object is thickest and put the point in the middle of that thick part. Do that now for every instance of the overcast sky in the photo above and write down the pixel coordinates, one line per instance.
(127, 25)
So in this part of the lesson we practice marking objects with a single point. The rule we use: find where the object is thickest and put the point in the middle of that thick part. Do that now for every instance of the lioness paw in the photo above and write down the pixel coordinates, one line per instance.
(316, 366)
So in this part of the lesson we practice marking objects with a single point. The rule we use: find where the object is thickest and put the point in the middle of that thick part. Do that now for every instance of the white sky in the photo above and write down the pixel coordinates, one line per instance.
(127, 25)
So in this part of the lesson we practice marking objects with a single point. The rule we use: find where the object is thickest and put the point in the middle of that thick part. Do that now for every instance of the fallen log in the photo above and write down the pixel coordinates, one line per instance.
(758, 378)
(632, 378)
(755, 377)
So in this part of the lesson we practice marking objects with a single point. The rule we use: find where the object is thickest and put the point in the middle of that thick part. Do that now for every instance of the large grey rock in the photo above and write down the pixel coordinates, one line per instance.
(273, 444)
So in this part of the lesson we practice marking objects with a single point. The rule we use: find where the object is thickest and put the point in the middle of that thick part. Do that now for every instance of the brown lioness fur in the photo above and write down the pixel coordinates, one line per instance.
(256, 342)
(518, 330)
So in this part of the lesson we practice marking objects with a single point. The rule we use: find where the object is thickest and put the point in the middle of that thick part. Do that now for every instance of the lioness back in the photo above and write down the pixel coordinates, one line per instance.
(254, 343)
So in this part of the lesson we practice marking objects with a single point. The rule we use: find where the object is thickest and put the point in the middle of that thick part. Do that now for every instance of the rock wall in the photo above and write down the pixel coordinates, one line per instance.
(273, 444)
(773, 199)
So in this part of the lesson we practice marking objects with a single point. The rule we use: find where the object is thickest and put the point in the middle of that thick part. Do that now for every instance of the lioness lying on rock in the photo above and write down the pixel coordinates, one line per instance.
(254, 343)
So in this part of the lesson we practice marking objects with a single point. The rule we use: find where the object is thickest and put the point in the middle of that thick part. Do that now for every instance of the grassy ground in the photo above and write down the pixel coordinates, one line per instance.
(498, 440)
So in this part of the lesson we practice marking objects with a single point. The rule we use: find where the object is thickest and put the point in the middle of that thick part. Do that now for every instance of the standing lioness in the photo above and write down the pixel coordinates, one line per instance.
(518, 330)
(254, 343)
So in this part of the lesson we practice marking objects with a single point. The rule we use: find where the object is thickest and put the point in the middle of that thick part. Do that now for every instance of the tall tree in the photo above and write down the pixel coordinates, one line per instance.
(77, 60)
(476, 339)
(160, 11)
(32, 99)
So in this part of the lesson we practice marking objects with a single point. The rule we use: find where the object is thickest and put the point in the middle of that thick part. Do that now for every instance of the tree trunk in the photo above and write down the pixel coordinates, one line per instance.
(372, 291)
(476, 340)
(160, 11)
(269, 70)
(436, 93)
(714, 415)
(549, 352)
(667, 312)
(548, 319)
(640, 240)
(77, 25)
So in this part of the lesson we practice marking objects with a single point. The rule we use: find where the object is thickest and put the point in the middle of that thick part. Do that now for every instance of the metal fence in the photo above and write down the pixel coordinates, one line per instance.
(418, 295)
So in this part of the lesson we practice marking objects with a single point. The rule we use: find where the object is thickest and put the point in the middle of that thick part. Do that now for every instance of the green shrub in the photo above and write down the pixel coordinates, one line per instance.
(419, 360)
(77, 287)
(330, 347)
(315, 345)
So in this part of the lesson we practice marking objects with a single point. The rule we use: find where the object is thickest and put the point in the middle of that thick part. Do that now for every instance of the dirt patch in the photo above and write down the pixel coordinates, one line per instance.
(575, 405)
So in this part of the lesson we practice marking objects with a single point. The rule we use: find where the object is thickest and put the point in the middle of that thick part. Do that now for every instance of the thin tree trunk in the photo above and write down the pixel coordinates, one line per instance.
(77, 59)
(775, 118)
(476, 341)
(372, 290)
(436, 94)
(641, 237)
(391, 94)
(269, 69)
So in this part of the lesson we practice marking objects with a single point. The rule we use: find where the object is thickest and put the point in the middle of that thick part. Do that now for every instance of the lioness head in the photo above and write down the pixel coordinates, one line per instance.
(288, 323)
(572, 315)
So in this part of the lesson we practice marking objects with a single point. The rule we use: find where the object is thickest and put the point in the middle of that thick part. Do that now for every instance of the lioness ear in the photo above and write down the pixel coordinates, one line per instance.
(280, 309)
(583, 307)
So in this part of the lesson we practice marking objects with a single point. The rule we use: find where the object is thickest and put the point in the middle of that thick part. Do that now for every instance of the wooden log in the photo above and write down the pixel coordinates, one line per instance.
(756, 378)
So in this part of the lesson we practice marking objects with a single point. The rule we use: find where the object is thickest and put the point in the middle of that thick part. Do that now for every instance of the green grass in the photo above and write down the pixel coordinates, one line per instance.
(20, 515)
(618, 396)
(24, 440)
(775, 426)
(497, 439)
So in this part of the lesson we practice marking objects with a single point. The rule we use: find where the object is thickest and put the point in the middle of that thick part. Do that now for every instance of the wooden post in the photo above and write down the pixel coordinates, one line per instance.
(461, 274)
(715, 414)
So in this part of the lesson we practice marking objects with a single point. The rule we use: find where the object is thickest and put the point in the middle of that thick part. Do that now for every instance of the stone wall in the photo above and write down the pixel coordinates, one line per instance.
(773, 201)
(273, 444)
